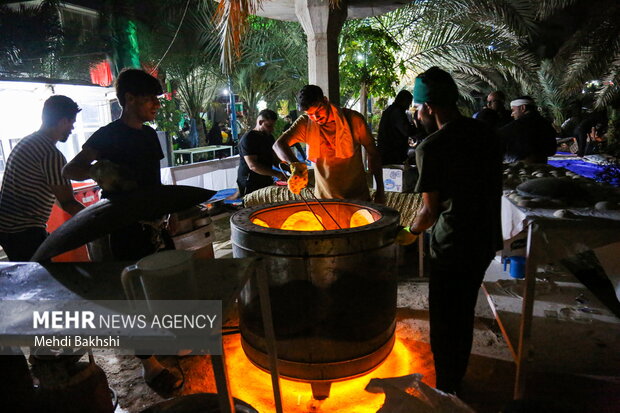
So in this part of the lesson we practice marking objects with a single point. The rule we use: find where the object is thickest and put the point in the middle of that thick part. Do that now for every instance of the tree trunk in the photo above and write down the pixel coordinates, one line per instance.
(364, 100)
(202, 133)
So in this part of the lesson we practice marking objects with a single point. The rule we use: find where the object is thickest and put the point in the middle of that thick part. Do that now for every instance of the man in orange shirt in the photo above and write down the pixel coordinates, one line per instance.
(334, 137)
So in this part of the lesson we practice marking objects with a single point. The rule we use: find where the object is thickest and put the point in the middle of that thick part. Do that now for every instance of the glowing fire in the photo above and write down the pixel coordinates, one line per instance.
(253, 385)
(307, 221)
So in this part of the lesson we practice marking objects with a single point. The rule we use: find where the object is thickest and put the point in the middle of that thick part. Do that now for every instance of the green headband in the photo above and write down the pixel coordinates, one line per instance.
(425, 91)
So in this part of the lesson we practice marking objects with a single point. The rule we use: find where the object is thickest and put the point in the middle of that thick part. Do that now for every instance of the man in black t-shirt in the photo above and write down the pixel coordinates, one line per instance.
(127, 154)
(461, 184)
(395, 130)
(256, 156)
(126, 151)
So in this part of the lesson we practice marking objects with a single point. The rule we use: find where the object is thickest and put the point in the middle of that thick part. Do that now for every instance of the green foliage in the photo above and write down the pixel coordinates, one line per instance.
(279, 127)
(550, 95)
(273, 65)
(30, 37)
(169, 116)
(593, 52)
(367, 57)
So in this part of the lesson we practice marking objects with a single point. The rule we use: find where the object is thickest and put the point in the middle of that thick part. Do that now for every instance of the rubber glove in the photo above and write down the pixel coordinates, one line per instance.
(406, 237)
(299, 177)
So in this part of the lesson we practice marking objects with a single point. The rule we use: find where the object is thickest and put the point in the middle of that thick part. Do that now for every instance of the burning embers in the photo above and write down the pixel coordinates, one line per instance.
(333, 291)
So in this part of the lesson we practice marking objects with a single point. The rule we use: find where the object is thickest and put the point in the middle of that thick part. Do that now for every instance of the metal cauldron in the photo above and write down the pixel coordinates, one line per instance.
(333, 292)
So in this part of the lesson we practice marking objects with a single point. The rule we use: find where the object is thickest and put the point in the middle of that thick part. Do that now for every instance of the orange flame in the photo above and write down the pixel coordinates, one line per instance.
(252, 385)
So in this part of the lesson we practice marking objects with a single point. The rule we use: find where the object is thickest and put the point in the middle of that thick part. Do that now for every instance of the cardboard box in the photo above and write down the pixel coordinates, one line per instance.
(398, 179)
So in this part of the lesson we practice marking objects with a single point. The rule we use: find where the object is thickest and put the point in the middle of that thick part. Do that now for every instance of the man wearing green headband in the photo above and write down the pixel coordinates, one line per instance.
(461, 184)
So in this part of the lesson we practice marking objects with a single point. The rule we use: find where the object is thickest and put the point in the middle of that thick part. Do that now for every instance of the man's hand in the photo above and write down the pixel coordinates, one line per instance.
(280, 176)
(110, 178)
(299, 177)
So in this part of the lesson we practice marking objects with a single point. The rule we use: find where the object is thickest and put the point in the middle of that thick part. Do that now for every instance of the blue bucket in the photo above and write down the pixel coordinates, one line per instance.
(517, 266)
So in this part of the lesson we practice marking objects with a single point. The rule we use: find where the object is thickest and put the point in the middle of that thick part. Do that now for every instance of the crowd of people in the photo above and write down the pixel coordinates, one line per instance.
(459, 161)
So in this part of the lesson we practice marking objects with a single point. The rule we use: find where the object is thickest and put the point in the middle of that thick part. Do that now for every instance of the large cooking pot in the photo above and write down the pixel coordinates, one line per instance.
(333, 292)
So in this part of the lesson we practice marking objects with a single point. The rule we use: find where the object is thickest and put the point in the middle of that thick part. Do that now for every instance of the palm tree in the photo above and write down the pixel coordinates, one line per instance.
(30, 38)
(181, 46)
(593, 52)
(272, 65)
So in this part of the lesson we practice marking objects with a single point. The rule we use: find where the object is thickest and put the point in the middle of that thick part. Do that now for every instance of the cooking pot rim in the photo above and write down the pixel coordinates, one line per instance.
(242, 219)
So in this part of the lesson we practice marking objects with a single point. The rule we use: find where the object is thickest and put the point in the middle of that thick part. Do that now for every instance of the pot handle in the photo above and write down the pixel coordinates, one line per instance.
(129, 278)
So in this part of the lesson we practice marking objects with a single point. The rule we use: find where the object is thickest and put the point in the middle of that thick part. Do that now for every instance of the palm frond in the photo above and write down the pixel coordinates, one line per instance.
(547, 8)
(610, 91)
(232, 18)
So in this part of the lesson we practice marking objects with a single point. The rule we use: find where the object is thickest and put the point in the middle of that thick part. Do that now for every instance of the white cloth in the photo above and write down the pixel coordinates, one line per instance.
(519, 102)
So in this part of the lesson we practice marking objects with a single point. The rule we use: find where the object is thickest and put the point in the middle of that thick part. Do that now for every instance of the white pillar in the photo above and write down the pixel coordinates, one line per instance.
(322, 26)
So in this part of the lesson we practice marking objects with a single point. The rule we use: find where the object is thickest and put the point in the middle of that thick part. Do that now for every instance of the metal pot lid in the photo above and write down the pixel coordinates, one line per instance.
(117, 212)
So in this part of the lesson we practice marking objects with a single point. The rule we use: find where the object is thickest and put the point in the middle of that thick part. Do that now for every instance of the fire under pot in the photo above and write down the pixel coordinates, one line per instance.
(333, 290)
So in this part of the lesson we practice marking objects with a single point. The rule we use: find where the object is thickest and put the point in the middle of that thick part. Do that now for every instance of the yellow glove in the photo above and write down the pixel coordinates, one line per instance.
(299, 177)
(406, 237)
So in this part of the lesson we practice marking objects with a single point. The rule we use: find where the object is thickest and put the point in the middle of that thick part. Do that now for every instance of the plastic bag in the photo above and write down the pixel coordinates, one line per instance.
(407, 394)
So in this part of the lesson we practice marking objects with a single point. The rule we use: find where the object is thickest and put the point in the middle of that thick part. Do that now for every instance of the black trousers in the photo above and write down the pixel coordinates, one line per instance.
(453, 292)
(21, 246)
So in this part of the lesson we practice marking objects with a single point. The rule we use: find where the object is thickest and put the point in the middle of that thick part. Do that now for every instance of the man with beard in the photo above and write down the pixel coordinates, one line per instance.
(334, 137)
(529, 137)
(461, 185)
(256, 156)
(494, 114)
(33, 180)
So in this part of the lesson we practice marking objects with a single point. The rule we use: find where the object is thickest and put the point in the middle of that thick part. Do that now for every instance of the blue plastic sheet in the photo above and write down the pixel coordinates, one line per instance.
(581, 167)
(223, 194)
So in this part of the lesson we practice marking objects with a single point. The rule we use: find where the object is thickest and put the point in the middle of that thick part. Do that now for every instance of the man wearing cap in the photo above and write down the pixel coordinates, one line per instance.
(127, 155)
(334, 137)
(529, 137)
(33, 180)
(461, 185)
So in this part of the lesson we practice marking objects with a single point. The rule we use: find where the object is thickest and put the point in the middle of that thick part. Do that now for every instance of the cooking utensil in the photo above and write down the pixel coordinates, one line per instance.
(117, 212)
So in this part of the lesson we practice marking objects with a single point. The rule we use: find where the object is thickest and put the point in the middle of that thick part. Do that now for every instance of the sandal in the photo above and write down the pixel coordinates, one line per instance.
(166, 382)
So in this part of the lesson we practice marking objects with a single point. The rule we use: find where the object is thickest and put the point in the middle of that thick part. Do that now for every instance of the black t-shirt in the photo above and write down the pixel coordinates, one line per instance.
(259, 144)
(530, 138)
(136, 151)
(463, 162)
(393, 136)
(494, 119)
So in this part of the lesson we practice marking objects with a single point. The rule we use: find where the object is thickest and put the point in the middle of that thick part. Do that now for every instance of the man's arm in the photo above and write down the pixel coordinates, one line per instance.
(79, 167)
(428, 213)
(374, 160)
(66, 200)
(294, 134)
(255, 166)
